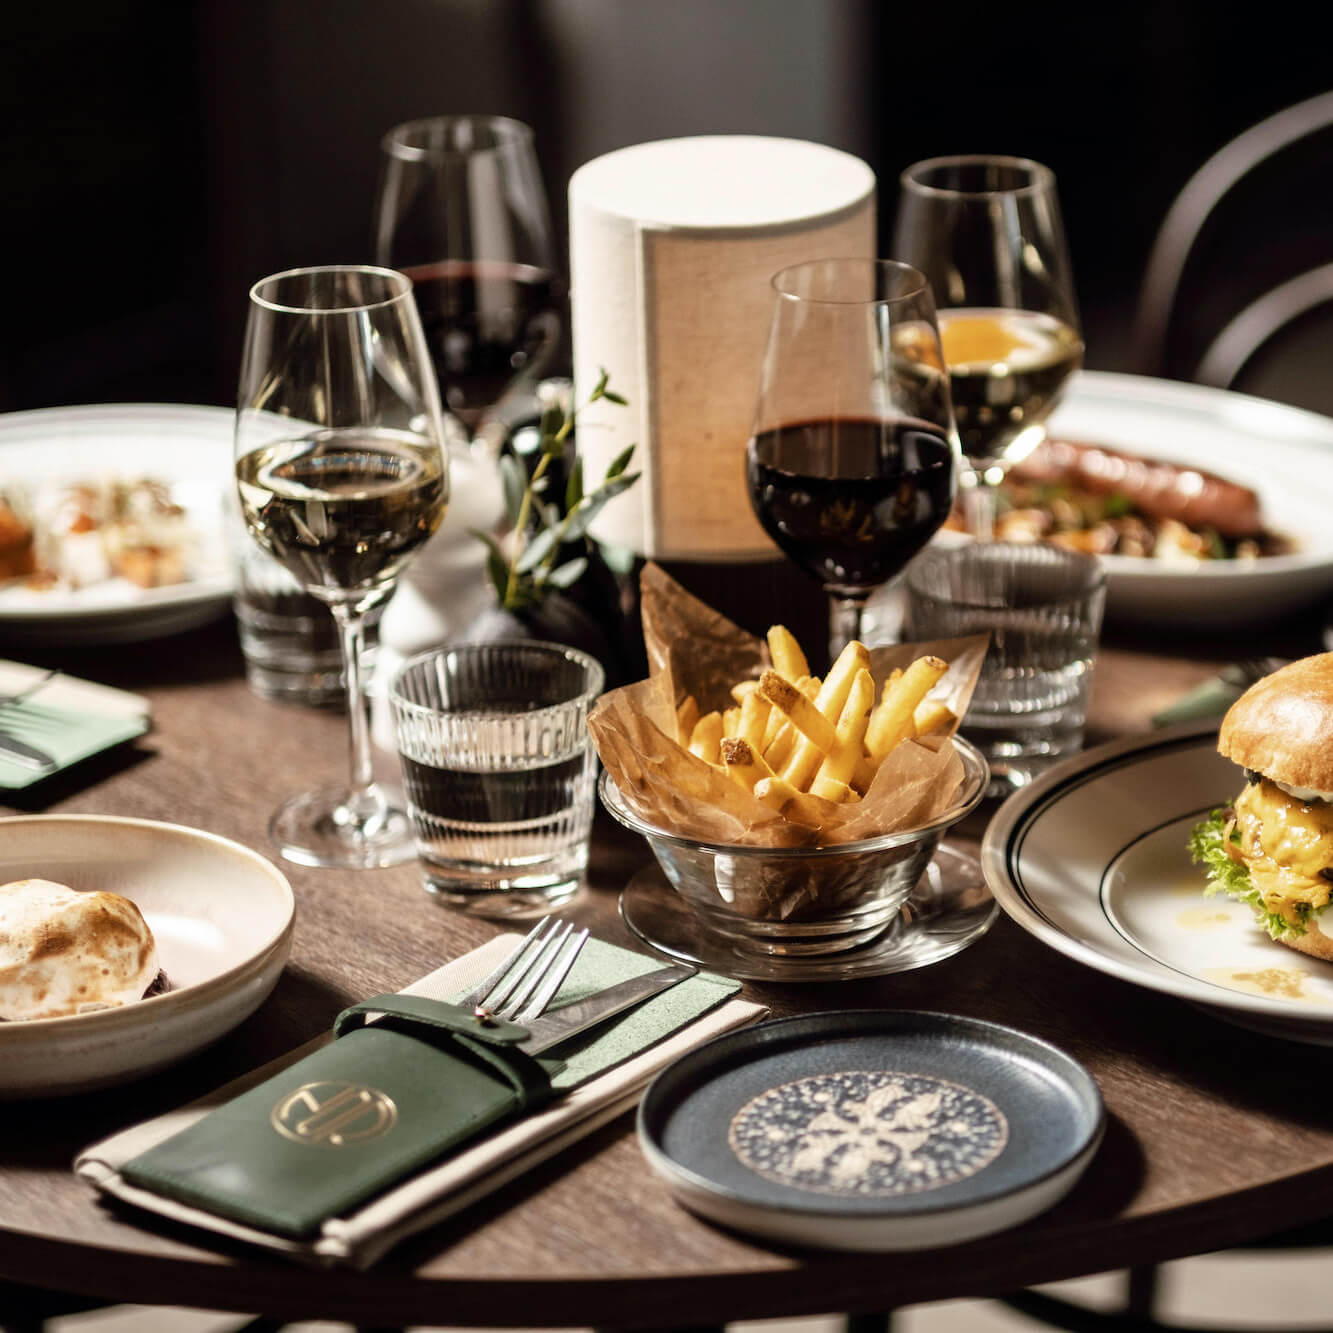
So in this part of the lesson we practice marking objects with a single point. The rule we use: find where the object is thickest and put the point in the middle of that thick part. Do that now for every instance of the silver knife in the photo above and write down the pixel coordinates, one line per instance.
(29, 756)
(560, 1024)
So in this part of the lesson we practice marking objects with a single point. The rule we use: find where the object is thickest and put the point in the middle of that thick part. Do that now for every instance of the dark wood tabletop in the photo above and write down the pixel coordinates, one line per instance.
(1216, 1135)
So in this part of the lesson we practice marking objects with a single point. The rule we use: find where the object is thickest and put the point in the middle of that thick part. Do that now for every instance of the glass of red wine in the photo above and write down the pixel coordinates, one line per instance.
(853, 459)
(461, 210)
(342, 478)
(986, 230)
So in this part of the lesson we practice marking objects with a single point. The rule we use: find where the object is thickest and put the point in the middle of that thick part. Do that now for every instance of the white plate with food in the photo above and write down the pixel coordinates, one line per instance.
(112, 524)
(1094, 859)
(199, 931)
(1270, 469)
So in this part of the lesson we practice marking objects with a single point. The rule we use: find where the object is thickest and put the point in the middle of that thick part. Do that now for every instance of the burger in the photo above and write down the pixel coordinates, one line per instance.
(1272, 847)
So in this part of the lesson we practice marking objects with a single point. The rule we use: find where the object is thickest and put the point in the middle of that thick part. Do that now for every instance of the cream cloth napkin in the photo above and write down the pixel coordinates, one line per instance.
(606, 1073)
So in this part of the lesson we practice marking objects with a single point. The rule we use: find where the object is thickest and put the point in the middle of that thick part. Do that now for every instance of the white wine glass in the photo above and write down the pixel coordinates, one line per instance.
(852, 462)
(461, 209)
(987, 232)
(342, 478)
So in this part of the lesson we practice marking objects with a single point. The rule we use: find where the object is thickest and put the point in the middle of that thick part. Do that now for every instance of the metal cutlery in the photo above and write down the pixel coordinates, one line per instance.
(27, 756)
(521, 988)
(31, 688)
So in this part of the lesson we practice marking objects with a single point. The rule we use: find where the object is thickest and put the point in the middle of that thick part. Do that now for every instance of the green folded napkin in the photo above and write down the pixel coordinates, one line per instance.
(597, 1076)
(67, 735)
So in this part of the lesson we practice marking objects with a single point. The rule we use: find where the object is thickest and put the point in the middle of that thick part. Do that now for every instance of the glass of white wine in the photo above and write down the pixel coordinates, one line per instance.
(342, 479)
(987, 232)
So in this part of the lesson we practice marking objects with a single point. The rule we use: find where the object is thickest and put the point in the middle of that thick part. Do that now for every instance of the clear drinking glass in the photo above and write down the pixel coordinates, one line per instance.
(461, 210)
(853, 458)
(499, 770)
(341, 478)
(1042, 606)
(988, 234)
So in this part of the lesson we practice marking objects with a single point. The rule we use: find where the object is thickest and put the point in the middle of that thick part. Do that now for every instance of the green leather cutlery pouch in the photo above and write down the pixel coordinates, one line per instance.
(349, 1120)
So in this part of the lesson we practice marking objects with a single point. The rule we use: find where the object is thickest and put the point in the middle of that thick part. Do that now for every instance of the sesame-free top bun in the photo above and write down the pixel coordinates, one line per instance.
(1282, 726)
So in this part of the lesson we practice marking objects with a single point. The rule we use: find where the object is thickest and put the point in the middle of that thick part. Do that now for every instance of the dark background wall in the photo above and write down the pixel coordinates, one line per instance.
(159, 155)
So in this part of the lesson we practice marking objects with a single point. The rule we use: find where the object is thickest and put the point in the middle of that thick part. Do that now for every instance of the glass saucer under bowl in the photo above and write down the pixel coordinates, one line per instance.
(949, 908)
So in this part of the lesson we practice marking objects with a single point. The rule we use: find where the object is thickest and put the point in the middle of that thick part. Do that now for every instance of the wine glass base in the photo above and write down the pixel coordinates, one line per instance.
(949, 908)
(321, 828)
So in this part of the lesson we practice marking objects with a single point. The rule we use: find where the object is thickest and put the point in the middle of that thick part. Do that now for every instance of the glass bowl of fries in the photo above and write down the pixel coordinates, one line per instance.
(802, 901)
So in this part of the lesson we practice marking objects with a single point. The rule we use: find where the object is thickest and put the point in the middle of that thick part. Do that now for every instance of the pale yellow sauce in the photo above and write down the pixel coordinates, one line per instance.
(1279, 983)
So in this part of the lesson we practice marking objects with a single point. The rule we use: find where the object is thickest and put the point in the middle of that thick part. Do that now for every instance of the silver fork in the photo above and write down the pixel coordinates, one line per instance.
(529, 978)
(31, 688)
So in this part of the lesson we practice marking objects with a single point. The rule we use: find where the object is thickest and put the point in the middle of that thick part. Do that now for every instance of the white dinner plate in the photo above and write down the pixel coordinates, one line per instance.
(189, 448)
(1092, 859)
(222, 918)
(1283, 453)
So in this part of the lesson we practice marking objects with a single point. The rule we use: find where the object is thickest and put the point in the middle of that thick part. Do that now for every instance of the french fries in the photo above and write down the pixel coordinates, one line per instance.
(805, 746)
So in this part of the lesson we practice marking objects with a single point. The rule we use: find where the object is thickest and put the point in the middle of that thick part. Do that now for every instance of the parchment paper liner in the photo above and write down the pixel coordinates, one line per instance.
(693, 649)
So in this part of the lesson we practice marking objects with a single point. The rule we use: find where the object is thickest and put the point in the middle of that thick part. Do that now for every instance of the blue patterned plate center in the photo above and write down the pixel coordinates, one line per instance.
(864, 1133)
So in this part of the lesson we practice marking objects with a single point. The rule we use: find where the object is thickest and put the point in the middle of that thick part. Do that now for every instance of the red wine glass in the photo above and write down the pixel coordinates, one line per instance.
(852, 463)
(461, 210)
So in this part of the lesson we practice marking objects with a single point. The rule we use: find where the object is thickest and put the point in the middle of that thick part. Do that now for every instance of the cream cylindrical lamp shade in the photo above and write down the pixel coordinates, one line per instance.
(672, 248)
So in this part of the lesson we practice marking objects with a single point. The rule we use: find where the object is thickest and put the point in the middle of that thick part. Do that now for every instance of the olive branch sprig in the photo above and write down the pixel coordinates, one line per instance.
(542, 527)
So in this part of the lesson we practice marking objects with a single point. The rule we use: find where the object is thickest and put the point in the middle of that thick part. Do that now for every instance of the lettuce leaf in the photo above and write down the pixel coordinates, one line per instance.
(1207, 847)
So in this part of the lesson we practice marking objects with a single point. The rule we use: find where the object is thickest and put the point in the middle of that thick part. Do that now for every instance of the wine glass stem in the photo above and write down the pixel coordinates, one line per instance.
(844, 622)
(979, 508)
(351, 632)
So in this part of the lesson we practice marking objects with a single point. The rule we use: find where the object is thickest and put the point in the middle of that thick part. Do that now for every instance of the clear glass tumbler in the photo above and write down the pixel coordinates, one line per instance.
(499, 770)
(1043, 608)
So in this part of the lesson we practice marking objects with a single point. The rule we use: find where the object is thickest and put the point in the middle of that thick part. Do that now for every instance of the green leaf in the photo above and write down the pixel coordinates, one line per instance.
(513, 481)
(566, 575)
(574, 487)
(619, 559)
(535, 551)
(614, 398)
(620, 462)
(592, 505)
(497, 568)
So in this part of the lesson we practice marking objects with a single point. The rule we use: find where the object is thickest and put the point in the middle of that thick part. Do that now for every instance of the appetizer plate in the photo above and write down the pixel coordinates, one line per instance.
(1284, 454)
(222, 918)
(1092, 859)
(187, 447)
(871, 1130)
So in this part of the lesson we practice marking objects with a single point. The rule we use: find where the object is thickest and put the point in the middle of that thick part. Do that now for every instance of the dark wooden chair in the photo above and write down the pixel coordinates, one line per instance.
(1238, 287)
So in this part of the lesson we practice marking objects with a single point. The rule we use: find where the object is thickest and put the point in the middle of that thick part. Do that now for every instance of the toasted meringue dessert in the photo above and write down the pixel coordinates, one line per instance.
(64, 952)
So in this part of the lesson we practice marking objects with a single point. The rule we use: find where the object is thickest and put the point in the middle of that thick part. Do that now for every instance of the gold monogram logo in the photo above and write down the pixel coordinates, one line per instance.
(334, 1114)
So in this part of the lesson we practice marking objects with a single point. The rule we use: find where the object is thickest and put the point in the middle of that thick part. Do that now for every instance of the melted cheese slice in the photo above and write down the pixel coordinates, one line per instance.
(65, 952)
(1286, 843)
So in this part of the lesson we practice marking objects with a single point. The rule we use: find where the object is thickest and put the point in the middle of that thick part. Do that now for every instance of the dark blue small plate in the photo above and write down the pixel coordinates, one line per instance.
(869, 1130)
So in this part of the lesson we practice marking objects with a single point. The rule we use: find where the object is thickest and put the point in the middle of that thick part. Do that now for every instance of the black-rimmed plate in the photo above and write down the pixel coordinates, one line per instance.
(1092, 859)
(869, 1130)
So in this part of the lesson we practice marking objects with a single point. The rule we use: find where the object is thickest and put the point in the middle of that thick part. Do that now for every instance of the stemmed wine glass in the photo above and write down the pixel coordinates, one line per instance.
(461, 210)
(853, 458)
(987, 232)
(342, 478)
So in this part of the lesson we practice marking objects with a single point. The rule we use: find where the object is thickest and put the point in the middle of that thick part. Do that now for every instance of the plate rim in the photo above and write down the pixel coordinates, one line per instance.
(198, 593)
(1150, 392)
(1019, 811)
(102, 1022)
(675, 1174)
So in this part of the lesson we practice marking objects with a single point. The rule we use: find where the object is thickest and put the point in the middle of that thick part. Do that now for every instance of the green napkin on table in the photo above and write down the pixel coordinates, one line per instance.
(67, 735)
(605, 1073)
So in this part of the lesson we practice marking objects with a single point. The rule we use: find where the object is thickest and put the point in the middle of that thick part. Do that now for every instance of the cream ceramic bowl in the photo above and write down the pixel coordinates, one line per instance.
(222, 918)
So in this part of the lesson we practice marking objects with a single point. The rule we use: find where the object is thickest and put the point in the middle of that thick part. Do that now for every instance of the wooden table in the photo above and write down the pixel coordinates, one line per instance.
(1216, 1135)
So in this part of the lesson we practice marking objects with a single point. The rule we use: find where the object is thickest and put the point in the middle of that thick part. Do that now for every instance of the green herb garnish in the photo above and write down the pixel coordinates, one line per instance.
(542, 528)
